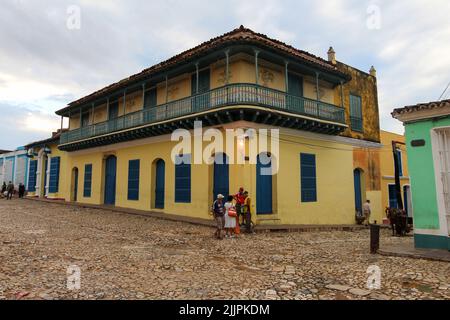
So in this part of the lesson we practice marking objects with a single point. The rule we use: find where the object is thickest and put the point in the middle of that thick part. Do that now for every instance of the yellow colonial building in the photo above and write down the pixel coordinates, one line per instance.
(389, 198)
(295, 115)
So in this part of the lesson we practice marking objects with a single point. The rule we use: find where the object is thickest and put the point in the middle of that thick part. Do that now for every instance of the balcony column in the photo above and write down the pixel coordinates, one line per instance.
(167, 96)
(124, 102)
(256, 66)
(227, 66)
(124, 108)
(107, 109)
(81, 122)
(167, 89)
(318, 94)
(62, 119)
(143, 96)
(197, 77)
(92, 117)
(342, 94)
(286, 75)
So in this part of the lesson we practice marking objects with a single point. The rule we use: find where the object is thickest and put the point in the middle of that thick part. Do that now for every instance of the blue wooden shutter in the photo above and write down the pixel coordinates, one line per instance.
(133, 179)
(392, 197)
(183, 179)
(87, 181)
(54, 175)
(308, 177)
(32, 176)
(356, 113)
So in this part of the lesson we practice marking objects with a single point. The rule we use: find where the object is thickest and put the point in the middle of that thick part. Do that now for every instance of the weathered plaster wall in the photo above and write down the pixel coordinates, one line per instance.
(365, 86)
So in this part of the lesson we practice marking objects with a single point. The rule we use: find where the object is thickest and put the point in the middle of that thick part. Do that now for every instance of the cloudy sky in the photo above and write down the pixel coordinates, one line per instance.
(44, 64)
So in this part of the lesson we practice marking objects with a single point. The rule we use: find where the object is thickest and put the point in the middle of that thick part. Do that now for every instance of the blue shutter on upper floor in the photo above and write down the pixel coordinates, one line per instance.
(32, 176)
(308, 181)
(54, 175)
(133, 179)
(356, 121)
(87, 181)
(183, 179)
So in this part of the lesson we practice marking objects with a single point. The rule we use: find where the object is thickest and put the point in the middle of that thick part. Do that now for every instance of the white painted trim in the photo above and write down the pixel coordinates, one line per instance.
(431, 232)
(424, 114)
(47, 180)
(392, 177)
(443, 224)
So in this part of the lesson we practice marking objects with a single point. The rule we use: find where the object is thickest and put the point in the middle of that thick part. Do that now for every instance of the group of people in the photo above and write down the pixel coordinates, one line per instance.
(8, 190)
(231, 214)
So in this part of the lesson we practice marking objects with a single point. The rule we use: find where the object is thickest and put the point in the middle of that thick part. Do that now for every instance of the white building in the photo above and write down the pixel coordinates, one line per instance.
(14, 167)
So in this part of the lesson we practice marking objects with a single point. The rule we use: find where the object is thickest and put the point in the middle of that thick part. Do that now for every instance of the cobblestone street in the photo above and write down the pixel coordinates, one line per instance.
(133, 257)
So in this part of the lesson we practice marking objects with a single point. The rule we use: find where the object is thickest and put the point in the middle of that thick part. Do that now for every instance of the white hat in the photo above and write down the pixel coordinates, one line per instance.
(220, 196)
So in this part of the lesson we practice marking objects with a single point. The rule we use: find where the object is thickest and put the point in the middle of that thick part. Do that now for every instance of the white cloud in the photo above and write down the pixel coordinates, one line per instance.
(44, 65)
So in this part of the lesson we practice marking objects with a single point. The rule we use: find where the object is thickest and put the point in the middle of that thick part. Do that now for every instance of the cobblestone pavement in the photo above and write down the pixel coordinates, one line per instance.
(134, 257)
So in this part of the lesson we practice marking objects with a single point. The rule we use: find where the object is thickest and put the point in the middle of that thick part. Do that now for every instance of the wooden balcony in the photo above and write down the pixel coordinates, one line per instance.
(307, 114)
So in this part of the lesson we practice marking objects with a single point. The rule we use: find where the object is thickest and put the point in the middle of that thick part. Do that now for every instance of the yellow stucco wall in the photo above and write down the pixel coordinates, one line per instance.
(335, 203)
(74, 121)
(387, 165)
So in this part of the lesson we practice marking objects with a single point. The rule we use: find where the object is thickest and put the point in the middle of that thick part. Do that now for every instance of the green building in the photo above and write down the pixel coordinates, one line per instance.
(427, 130)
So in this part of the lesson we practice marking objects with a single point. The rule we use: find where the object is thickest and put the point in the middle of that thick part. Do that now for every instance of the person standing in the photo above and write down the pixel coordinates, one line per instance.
(10, 190)
(367, 212)
(247, 212)
(219, 213)
(21, 190)
(240, 199)
(230, 218)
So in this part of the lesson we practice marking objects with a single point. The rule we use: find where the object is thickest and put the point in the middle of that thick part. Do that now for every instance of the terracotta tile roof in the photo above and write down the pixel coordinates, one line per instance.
(55, 137)
(421, 106)
(239, 35)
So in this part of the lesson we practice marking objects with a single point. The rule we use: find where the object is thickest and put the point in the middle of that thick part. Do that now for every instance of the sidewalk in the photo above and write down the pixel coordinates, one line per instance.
(408, 251)
(206, 222)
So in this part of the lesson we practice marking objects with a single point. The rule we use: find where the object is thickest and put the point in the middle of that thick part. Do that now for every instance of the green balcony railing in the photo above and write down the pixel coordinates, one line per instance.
(233, 94)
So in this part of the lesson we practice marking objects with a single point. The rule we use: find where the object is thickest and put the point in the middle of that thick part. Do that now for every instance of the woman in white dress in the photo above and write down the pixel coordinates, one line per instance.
(230, 221)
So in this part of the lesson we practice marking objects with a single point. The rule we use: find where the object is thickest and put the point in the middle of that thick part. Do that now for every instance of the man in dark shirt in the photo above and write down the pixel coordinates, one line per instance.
(10, 190)
(219, 216)
(21, 190)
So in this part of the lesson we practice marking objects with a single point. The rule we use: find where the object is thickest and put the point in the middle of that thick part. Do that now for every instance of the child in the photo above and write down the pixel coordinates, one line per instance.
(230, 220)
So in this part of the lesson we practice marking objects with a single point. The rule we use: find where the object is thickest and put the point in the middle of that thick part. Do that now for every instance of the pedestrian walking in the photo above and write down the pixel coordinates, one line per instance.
(10, 190)
(218, 210)
(367, 212)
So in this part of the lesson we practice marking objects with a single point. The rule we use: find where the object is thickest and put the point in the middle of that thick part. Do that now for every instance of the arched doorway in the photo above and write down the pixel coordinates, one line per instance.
(74, 185)
(221, 183)
(159, 186)
(357, 177)
(264, 184)
(110, 180)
